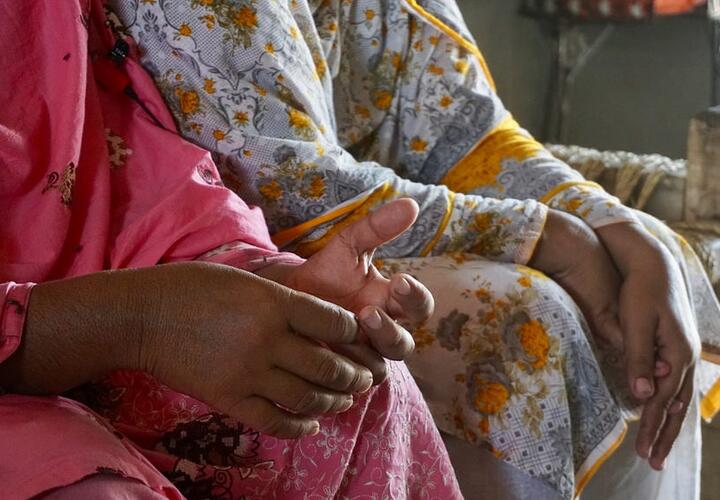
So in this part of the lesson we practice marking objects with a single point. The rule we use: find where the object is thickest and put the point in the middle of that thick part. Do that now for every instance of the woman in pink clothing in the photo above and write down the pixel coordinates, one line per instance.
(281, 393)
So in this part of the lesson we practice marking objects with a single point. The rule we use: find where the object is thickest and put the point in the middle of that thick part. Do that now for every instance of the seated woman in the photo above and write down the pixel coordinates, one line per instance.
(319, 111)
(97, 190)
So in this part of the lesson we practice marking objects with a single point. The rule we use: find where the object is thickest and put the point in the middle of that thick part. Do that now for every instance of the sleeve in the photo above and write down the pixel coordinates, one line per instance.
(15, 298)
(261, 100)
(445, 123)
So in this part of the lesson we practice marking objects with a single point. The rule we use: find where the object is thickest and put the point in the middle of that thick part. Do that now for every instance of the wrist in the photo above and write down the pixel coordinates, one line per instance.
(629, 244)
(563, 240)
(281, 273)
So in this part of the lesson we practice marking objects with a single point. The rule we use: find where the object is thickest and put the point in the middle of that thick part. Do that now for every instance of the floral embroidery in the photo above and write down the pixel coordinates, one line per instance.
(63, 182)
(118, 151)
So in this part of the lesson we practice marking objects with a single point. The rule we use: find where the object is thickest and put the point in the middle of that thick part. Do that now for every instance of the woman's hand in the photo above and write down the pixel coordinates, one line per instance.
(245, 345)
(571, 253)
(632, 294)
(343, 273)
(653, 306)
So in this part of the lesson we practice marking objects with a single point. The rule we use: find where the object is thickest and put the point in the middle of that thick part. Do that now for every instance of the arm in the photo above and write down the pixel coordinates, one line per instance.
(272, 128)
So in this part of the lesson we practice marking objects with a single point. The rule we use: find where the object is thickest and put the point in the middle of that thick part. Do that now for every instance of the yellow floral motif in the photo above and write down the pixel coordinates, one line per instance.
(294, 32)
(434, 40)
(272, 191)
(317, 187)
(462, 66)
(423, 338)
(301, 123)
(535, 342)
(362, 111)
(436, 70)
(209, 21)
(418, 145)
(383, 99)
(524, 281)
(270, 48)
(241, 118)
(369, 14)
(446, 101)
(482, 293)
(490, 396)
(483, 222)
(189, 101)
(572, 205)
(209, 85)
(185, 29)
(219, 135)
(397, 62)
(332, 27)
(245, 17)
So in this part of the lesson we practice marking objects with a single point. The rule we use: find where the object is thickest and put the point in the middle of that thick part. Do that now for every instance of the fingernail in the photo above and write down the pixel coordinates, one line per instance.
(643, 388)
(371, 319)
(403, 287)
(315, 429)
(347, 404)
(676, 408)
(367, 384)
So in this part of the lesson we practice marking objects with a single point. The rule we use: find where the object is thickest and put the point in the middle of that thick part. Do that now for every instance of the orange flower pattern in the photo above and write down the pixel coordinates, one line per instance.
(328, 109)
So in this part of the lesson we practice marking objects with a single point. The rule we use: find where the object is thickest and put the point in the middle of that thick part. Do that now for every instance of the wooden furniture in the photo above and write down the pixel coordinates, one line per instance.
(574, 46)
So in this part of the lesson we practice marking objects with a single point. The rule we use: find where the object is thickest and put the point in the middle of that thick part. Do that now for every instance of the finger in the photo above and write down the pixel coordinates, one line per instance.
(410, 299)
(299, 396)
(673, 424)
(390, 339)
(263, 416)
(366, 356)
(679, 357)
(319, 320)
(662, 368)
(640, 328)
(381, 226)
(321, 366)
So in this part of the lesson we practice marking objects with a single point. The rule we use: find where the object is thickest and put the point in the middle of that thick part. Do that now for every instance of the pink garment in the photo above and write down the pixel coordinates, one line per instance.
(91, 182)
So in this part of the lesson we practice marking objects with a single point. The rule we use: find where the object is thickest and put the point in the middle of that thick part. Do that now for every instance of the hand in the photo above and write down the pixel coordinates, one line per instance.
(342, 273)
(571, 253)
(652, 308)
(247, 346)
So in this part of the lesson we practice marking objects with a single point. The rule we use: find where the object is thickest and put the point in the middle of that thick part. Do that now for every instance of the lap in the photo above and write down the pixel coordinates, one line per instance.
(53, 442)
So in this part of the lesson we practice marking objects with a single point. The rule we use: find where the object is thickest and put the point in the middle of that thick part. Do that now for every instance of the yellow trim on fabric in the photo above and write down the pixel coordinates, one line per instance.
(378, 196)
(710, 404)
(446, 220)
(565, 186)
(466, 44)
(582, 482)
(284, 237)
(483, 164)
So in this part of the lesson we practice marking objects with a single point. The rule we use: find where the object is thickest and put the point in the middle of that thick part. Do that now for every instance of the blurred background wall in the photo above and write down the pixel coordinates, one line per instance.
(637, 93)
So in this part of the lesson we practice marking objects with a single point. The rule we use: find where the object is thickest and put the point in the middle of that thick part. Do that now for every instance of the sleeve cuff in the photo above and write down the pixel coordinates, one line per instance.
(249, 258)
(16, 297)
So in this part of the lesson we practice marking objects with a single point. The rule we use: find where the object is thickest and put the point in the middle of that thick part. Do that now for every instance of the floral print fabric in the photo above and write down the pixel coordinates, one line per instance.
(126, 191)
(320, 110)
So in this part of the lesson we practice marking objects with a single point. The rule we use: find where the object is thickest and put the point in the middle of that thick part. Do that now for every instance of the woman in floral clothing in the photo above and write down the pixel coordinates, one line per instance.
(320, 110)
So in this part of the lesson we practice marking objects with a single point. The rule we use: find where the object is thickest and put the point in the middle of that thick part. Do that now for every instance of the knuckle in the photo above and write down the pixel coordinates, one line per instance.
(339, 323)
(330, 370)
(275, 425)
(309, 402)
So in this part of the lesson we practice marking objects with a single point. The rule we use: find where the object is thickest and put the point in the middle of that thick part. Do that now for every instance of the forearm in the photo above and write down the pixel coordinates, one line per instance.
(76, 330)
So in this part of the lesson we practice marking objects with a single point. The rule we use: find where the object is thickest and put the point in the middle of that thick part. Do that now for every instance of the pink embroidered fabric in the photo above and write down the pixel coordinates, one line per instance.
(92, 181)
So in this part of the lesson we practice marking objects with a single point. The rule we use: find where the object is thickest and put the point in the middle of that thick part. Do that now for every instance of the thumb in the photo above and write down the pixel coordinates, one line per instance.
(381, 226)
